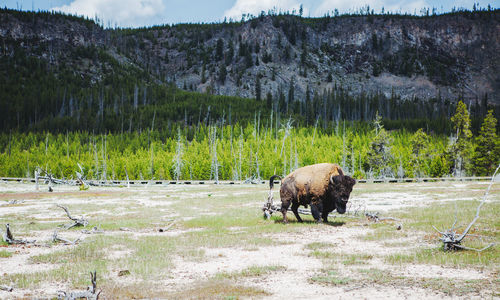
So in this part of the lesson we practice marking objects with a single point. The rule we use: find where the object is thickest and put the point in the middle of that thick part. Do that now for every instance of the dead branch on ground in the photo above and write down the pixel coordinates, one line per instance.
(375, 217)
(56, 238)
(49, 177)
(78, 222)
(451, 239)
(269, 208)
(354, 208)
(6, 288)
(13, 202)
(167, 227)
(91, 293)
(92, 231)
(9, 238)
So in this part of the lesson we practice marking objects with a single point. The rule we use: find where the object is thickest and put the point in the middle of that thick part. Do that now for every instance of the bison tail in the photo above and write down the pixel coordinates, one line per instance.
(271, 181)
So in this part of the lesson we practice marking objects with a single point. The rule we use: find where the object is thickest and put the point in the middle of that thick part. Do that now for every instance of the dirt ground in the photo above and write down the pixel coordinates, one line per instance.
(349, 258)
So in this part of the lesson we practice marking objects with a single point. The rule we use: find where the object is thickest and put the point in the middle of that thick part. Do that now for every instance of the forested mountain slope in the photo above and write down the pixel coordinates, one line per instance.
(57, 68)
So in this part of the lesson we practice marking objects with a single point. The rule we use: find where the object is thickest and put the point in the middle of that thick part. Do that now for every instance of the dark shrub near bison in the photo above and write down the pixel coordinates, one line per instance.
(322, 186)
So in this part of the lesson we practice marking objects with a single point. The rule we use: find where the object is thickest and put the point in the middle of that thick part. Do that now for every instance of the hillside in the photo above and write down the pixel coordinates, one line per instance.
(411, 57)
(55, 65)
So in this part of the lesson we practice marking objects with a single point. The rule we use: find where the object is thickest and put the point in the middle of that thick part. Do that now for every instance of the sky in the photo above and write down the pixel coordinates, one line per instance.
(139, 13)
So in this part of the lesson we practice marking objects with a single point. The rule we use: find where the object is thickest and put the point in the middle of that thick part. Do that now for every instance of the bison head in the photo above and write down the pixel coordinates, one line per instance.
(340, 189)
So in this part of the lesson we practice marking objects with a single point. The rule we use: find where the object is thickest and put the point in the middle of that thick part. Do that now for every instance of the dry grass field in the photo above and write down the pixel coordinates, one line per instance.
(211, 242)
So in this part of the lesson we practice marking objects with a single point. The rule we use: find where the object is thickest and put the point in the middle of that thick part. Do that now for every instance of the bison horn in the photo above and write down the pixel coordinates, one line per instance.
(336, 179)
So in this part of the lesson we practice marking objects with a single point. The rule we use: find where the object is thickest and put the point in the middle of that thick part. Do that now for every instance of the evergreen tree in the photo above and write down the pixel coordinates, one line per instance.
(242, 50)
(303, 55)
(287, 53)
(379, 156)
(219, 50)
(460, 149)
(267, 57)
(248, 59)
(203, 75)
(374, 41)
(222, 73)
(487, 155)
(258, 91)
(419, 143)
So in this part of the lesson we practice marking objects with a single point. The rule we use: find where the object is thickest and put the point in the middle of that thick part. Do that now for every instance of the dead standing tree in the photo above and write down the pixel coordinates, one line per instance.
(81, 178)
(452, 240)
(214, 166)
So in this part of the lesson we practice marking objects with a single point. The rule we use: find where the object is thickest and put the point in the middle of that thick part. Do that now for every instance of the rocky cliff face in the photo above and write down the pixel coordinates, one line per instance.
(448, 56)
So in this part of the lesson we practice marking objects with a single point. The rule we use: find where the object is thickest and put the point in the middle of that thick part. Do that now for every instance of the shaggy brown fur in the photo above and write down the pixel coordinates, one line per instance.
(323, 186)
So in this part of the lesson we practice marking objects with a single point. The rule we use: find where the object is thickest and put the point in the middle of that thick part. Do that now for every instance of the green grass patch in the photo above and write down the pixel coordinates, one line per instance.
(218, 289)
(196, 255)
(376, 275)
(318, 245)
(330, 278)
(442, 216)
(396, 244)
(488, 259)
(382, 231)
(452, 286)
(5, 254)
(252, 271)
(448, 286)
(325, 254)
(355, 259)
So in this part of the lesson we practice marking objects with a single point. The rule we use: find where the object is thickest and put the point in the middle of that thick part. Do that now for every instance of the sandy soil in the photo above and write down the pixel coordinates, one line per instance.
(299, 265)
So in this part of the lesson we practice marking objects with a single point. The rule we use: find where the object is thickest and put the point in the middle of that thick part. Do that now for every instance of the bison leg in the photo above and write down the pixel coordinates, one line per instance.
(284, 209)
(315, 209)
(324, 215)
(295, 209)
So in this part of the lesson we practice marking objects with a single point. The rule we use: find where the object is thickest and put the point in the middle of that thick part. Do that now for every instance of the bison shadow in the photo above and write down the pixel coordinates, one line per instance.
(294, 221)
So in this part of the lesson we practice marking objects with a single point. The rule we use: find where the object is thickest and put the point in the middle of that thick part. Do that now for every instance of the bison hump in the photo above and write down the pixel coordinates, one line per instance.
(314, 179)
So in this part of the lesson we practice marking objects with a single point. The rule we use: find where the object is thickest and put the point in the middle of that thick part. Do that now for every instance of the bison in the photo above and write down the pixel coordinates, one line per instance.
(323, 186)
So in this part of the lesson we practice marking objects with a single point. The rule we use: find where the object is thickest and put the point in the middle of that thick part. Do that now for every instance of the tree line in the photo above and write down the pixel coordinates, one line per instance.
(256, 150)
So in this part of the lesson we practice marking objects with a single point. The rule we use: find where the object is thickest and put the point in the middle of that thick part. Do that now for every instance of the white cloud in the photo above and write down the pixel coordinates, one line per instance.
(254, 7)
(122, 12)
(345, 6)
